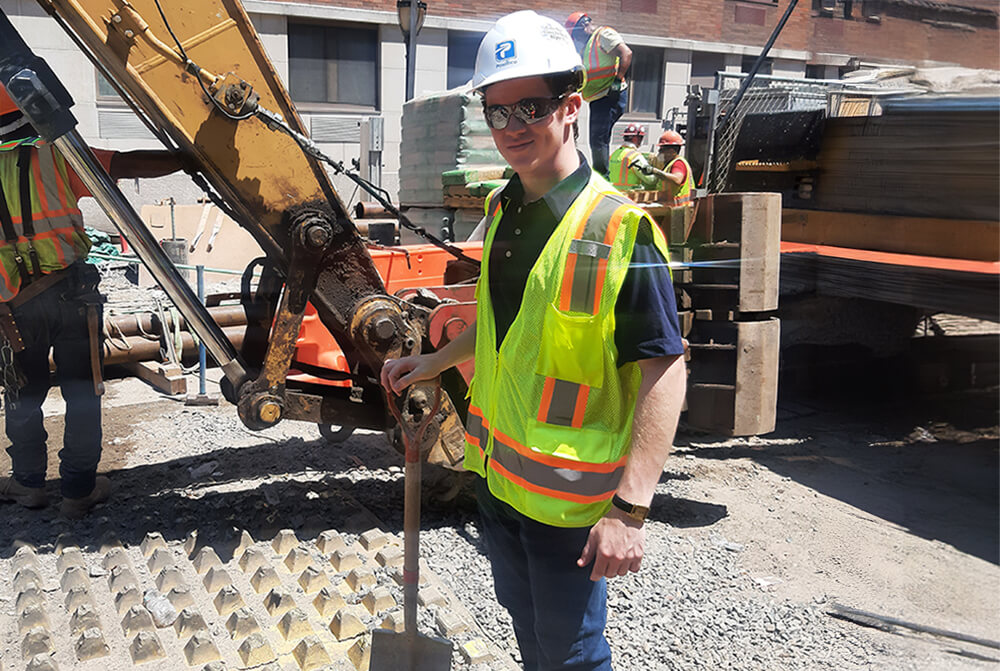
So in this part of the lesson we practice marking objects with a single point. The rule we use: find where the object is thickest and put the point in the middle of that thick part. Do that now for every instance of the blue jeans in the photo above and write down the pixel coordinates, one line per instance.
(55, 319)
(604, 113)
(558, 612)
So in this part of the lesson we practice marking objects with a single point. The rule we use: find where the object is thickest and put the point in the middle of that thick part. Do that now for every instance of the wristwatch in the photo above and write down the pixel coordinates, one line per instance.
(638, 513)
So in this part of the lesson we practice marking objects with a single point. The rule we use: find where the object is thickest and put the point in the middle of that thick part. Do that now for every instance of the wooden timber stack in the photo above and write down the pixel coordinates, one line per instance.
(727, 295)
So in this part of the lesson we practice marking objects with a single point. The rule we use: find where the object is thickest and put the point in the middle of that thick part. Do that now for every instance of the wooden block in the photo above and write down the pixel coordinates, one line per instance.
(168, 379)
(733, 386)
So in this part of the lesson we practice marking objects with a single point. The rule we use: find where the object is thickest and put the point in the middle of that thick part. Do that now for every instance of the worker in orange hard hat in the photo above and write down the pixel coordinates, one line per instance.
(606, 60)
(11, 118)
(49, 301)
(630, 171)
(677, 176)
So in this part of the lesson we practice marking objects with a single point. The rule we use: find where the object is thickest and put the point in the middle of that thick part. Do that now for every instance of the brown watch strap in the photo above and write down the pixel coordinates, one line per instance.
(638, 513)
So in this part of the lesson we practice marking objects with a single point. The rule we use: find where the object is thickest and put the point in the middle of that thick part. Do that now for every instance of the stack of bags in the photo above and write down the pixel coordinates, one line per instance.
(445, 133)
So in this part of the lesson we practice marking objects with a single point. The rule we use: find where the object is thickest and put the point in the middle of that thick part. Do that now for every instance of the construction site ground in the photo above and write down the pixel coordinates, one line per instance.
(881, 502)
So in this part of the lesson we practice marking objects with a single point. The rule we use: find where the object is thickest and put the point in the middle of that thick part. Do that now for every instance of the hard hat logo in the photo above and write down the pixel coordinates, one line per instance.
(524, 44)
(505, 53)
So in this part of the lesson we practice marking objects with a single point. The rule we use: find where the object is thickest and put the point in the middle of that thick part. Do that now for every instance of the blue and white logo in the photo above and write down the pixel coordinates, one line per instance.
(505, 52)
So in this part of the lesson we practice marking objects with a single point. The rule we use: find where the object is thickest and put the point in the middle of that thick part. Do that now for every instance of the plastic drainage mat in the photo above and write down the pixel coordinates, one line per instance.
(286, 604)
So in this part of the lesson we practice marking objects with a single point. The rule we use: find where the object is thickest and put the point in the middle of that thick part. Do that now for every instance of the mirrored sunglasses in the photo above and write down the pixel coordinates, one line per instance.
(528, 110)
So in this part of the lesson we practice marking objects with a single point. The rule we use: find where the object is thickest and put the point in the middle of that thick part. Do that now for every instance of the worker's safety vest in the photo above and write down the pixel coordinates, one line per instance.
(622, 176)
(599, 68)
(46, 236)
(680, 194)
(550, 415)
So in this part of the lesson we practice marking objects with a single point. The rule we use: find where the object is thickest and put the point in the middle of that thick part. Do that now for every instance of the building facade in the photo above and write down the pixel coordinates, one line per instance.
(344, 60)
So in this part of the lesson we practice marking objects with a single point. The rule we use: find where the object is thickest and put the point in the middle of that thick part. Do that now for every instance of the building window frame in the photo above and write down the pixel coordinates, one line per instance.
(329, 30)
(458, 42)
(657, 64)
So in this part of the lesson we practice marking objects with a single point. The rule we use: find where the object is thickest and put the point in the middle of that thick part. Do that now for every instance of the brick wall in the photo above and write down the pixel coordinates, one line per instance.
(904, 33)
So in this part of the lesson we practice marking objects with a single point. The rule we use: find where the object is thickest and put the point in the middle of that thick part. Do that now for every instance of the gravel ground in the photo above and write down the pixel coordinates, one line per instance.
(747, 546)
(698, 602)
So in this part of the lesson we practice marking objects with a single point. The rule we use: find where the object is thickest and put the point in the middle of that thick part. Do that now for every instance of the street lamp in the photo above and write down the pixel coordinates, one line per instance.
(410, 23)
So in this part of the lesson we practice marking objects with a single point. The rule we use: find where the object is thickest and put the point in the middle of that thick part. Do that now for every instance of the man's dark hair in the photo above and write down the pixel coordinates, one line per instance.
(564, 83)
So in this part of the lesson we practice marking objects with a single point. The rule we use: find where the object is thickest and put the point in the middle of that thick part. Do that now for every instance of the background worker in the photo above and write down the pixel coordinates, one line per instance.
(49, 301)
(630, 171)
(677, 177)
(606, 59)
(571, 420)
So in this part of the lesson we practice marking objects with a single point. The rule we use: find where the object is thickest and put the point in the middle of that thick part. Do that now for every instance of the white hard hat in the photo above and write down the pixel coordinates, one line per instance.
(524, 44)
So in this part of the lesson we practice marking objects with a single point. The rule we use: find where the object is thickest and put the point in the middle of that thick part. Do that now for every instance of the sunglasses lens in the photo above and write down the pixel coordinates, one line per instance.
(497, 116)
(530, 110)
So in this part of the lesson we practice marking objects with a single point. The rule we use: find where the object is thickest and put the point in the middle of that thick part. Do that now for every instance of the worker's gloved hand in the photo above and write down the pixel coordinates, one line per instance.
(647, 169)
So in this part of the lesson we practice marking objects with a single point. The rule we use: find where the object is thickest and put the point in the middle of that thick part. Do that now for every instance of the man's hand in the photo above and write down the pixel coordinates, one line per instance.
(398, 374)
(616, 545)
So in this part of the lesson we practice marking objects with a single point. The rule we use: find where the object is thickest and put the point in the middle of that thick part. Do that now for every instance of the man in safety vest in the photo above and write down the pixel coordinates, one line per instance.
(678, 181)
(630, 171)
(49, 301)
(579, 375)
(606, 59)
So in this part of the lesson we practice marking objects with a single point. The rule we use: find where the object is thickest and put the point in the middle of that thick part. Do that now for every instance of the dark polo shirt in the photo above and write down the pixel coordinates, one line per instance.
(646, 324)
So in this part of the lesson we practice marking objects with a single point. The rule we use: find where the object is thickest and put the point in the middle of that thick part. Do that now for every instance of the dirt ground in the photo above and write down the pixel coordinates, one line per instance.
(888, 505)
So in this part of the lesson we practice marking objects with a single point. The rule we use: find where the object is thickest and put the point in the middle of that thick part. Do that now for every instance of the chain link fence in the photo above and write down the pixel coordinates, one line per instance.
(765, 95)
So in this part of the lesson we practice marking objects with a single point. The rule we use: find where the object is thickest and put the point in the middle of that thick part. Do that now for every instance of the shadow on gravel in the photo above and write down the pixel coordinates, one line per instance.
(307, 486)
(941, 490)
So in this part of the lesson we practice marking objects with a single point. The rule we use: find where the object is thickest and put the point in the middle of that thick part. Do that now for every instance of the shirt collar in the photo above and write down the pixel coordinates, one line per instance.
(560, 197)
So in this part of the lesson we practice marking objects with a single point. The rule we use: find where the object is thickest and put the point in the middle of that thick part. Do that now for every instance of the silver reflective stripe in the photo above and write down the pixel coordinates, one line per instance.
(19, 122)
(589, 249)
(44, 224)
(47, 169)
(476, 429)
(561, 479)
(562, 403)
(598, 250)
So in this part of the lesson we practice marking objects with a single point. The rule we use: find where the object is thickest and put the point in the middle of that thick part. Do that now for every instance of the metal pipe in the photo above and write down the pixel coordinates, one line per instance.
(201, 345)
(368, 209)
(124, 217)
(760, 61)
(141, 323)
(137, 348)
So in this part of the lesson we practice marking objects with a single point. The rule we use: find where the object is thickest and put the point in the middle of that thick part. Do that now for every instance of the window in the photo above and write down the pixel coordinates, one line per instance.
(645, 78)
(106, 93)
(765, 67)
(704, 65)
(814, 71)
(333, 64)
(462, 49)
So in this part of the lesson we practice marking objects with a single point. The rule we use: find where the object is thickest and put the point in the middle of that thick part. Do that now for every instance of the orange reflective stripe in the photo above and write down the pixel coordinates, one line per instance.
(602, 263)
(566, 294)
(586, 262)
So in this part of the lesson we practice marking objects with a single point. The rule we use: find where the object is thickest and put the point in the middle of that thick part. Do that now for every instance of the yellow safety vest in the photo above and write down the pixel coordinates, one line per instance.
(682, 194)
(550, 416)
(622, 176)
(599, 68)
(53, 235)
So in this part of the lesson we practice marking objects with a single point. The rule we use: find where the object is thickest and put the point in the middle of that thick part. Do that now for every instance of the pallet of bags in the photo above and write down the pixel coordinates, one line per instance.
(442, 132)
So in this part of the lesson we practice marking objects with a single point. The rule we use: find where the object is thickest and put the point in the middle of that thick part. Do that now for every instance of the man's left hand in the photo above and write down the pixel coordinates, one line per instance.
(615, 545)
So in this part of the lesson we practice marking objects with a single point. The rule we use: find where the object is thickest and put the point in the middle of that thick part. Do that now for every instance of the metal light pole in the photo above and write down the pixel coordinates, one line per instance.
(410, 22)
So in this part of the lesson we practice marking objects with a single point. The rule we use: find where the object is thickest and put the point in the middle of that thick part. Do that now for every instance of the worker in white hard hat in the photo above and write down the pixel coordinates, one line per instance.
(579, 374)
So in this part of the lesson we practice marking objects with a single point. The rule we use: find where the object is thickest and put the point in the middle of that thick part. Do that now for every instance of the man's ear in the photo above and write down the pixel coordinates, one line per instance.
(574, 103)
